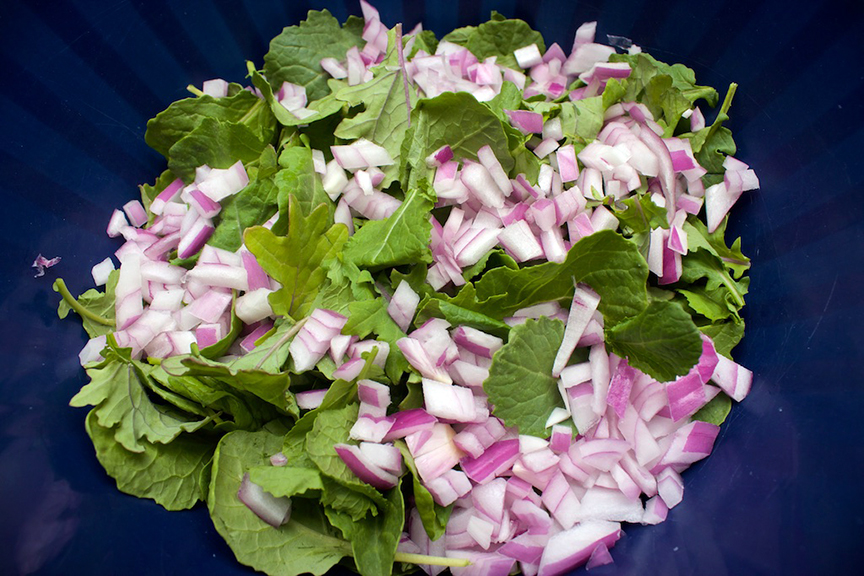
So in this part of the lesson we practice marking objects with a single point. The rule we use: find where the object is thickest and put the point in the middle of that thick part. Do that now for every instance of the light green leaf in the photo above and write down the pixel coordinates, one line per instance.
(520, 383)
(401, 238)
(118, 391)
(295, 260)
(306, 544)
(167, 473)
(183, 116)
(217, 144)
(384, 118)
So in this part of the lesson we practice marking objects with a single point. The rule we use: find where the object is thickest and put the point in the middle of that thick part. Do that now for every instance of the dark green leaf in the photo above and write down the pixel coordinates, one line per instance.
(661, 341)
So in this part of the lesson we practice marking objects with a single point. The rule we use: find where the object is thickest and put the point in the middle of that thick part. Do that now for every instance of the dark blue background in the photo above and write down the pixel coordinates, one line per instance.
(782, 492)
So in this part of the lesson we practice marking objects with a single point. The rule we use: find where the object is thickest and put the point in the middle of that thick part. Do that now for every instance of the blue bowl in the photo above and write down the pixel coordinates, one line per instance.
(782, 491)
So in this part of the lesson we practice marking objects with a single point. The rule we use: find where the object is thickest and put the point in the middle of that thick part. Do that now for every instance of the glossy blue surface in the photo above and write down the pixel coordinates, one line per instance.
(782, 492)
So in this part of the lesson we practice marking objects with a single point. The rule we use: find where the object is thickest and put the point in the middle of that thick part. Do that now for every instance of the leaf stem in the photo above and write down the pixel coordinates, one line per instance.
(194, 90)
(409, 558)
(60, 286)
(294, 329)
(401, 52)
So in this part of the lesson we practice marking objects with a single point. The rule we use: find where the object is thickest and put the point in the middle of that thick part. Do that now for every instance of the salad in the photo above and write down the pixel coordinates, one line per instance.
(406, 302)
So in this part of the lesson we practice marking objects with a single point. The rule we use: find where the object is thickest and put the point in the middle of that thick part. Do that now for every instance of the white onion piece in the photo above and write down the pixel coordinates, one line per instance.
(365, 469)
(220, 183)
(272, 510)
(217, 88)
(92, 350)
(310, 399)
(102, 271)
(585, 302)
(254, 306)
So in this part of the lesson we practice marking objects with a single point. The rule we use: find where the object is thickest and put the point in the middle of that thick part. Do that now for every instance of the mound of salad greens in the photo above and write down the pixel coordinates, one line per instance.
(187, 420)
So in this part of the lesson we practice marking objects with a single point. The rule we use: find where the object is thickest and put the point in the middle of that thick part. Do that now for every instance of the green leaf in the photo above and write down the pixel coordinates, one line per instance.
(640, 214)
(375, 538)
(254, 204)
(384, 118)
(295, 260)
(661, 341)
(259, 372)
(95, 303)
(182, 117)
(167, 473)
(401, 238)
(497, 38)
(287, 481)
(611, 265)
(520, 383)
(725, 335)
(433, 516)
(295, 54)
(217, 144)
(306, 544)
(436, 307)
(322, 108)
(299, 180)
(371, 317)
(345, 284)
(582, 120)
(698, 237)
(701, 263)
(118, 391)
(455, 119)
(715, 411)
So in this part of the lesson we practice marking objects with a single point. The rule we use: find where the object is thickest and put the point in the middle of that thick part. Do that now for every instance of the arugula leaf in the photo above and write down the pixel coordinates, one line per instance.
(702, 263)
(99, 304)
(401, 238)
(698, 237)
(640, 214)
(298, 179)
(725, 335)
(183, 116)
(661, 340)
(582, 120)
(384, 119)
(370, 316)
(217, 144)
(306, 544)
(295, 260)
(323, 107)
(437, 307)
(118, 392)
(611, 265)
(715, 411)
(433, 516)
(345, 284)
(295, 54)
(287, 480)
(497, 38)
(456, 119)
(375, 538)
(520, 383)
(167, 473)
